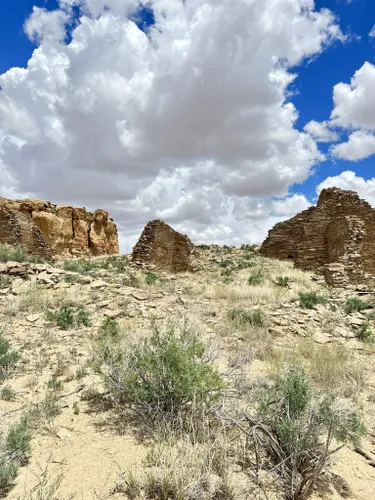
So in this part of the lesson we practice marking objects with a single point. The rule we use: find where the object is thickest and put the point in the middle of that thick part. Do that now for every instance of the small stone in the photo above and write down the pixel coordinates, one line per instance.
(98, 284)
(113, 314)
(33, 318)
(139, 296)
(103, 303)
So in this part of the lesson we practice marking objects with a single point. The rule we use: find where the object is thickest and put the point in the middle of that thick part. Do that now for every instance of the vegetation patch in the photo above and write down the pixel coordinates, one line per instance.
(244, 318)
(8, 358)
(163, 374)
(69, 316)
(308, 300)
(255, 279)
(354, 304)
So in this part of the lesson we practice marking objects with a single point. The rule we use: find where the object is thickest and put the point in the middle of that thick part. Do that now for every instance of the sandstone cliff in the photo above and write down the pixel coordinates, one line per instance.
(335, 238)
(163, 247)
(55, 230)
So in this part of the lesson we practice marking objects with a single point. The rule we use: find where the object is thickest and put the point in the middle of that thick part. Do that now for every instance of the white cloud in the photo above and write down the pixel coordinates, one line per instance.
(354, 103)
(320, 131)
(190, 122)
(349, 180)
(360, 145)
(372, 32)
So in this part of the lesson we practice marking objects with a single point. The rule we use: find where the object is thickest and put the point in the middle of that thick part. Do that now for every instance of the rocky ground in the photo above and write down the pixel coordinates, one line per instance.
(79, 447)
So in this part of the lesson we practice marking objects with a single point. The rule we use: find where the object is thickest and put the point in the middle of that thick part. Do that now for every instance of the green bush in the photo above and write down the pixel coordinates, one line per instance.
(255, 279)
(355, 304)
(8, 358)
(365, 333)
(14, 450)
(7, 394)
(243, 318)
(161, 375)
(248, 248)
(109, 329)
(296, 426)
(18, 439)
(282, 281)
(81, 266)
(18, 254)
(308, 300)
(69, 316)
(151, 278)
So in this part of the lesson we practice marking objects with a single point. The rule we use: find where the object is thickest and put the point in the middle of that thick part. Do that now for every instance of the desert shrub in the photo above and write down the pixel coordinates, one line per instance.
(243, 318)
(245, 264)
(163, 374)
(255, 279)
(151, 278)
(42, 414)
(365, 333)
(308, 300)
(69, 316)
(355, 304)
(81, 266)
(248, 248)
(203, 247)
(7, 394)
(8, 358)
(14, 450)
(282, 281)
(226, 263)
(109, 329)
(4, 282)
(13, 253)
(295, 428)
(18, 254)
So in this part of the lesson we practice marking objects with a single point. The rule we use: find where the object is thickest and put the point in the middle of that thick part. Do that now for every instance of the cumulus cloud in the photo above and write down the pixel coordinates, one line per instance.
(349, 180)
(360, 145)
(320, 131)
(372, 32)
(188, 121)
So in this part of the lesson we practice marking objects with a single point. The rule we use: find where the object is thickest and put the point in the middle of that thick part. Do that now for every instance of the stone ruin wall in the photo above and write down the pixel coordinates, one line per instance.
(335, 238)
(55, 230)
(163, 247)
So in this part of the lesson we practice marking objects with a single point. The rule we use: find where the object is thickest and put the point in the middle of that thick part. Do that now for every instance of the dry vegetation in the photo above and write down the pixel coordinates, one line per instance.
(246, 379)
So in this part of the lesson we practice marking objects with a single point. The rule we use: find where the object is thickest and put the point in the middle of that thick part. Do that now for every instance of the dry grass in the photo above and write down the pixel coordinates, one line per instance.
(35, 298)
(267, 292)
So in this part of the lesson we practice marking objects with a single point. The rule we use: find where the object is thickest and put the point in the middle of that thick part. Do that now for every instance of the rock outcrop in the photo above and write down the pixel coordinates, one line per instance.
(163, 247)
(335, 238)
(48, 230)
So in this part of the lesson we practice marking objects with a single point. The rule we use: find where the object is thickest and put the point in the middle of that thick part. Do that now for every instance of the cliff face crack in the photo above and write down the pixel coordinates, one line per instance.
(334, 238)
(73, 229)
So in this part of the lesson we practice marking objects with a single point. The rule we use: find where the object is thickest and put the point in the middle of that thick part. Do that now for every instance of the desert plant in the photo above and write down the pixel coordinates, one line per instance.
(14, 449)
(282, 281)
(355, 304)
(295, 428)
(242, 318)
(13, 253)
(163, 374)
(43, 413)
(68, 316)
(255, 279)
(8, 358)
(365, 333)
(7, 394)
(109, 329)
(151, 278)
(308, 300)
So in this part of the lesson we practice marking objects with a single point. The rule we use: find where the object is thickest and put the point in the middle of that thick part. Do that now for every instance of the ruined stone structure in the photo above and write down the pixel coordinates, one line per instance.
(55, 230)
(336, 238)
(163, 247)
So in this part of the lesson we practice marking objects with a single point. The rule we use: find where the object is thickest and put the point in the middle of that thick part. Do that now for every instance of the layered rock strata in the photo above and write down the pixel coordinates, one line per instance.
(163, 247)
(335, 238)
(49, 230)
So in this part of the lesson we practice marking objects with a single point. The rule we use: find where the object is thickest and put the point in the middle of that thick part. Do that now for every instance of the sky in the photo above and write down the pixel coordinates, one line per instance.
(221, 118)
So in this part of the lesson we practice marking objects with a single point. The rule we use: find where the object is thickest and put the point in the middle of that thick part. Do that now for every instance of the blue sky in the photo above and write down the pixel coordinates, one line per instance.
(311, 93)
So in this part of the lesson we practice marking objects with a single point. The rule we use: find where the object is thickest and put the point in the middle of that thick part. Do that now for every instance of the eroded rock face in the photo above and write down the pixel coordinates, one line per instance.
(335, 238)
(55, 230)
(163, 247)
